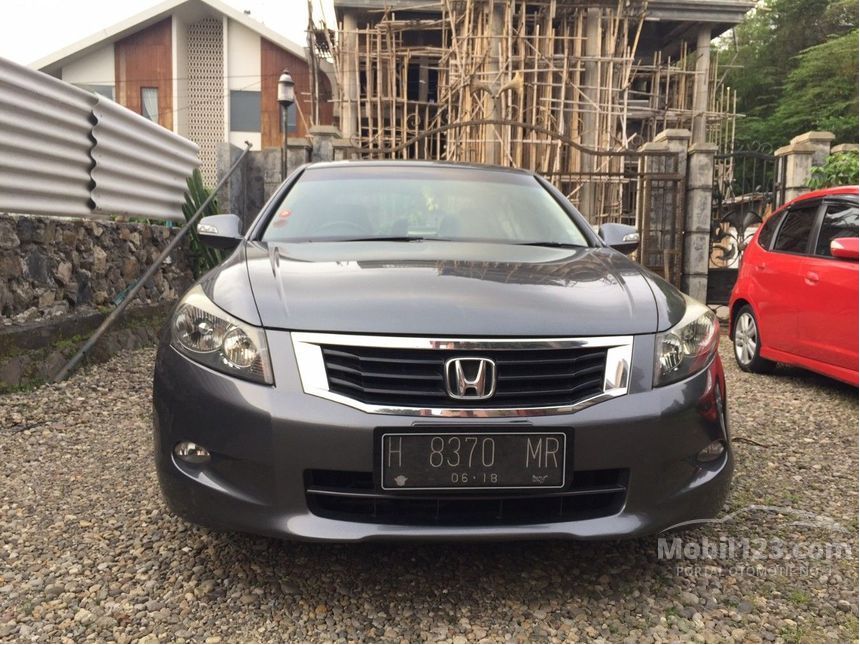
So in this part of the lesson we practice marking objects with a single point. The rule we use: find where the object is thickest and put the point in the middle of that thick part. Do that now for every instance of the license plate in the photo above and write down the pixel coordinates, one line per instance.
(472, 460)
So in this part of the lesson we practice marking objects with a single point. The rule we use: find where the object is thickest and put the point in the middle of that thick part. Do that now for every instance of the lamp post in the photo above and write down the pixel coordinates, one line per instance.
(286, 97)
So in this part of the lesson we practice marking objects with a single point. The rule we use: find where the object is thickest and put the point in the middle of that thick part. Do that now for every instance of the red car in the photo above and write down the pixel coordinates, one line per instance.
(795, 300)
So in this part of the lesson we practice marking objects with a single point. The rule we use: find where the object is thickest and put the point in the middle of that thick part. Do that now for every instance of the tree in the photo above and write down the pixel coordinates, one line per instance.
(821, 91)
(774, 53)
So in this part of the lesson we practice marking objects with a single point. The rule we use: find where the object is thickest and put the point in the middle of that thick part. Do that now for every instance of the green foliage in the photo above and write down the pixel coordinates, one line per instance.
(840, 169)
(794, 66)
(203, 257)
(821, 91)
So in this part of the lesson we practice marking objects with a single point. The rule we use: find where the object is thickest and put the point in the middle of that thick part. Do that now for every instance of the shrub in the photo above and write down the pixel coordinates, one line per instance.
(203, 257)
(840, 169)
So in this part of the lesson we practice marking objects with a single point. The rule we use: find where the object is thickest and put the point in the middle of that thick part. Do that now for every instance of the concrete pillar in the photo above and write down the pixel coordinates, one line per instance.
(845, 147)
(796, 162)
(820, 141)
(492, 145)
(349, 107)
(232, 195)
(700, 89)
(343, 150)
(591, 81)
(805, 151)
(697, 220)
(323, 139)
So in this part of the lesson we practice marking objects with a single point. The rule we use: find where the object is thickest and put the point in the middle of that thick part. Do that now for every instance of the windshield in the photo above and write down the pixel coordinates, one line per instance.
(421, 203)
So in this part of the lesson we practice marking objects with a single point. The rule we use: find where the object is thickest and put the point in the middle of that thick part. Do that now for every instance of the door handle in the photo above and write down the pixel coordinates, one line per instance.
(811, 278)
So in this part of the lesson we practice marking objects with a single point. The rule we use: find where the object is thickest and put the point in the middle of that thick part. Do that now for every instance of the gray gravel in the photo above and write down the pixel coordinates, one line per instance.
(88, 551)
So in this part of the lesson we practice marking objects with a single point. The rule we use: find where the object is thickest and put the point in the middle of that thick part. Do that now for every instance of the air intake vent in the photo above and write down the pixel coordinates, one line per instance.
(351, 496)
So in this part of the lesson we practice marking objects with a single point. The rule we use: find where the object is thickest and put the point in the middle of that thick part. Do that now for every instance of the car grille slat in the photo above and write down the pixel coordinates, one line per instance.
(352, 496)
(370, 357)
(524, 377)
(377, 390)
(382, 375)
(597, 369)
(587, 386)
(598, 355)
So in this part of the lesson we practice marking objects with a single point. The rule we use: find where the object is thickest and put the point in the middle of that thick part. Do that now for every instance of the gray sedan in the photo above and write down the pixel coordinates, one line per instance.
(422, 350)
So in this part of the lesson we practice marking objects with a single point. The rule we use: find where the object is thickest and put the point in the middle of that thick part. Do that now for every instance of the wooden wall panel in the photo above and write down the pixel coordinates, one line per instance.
(144, 59)
(273, 60)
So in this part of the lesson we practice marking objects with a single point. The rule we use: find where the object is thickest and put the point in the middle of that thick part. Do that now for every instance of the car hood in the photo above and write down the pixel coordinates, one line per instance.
(446, 289)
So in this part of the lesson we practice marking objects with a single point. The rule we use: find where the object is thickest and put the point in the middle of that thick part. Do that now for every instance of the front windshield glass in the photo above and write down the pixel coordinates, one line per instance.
(421, 203)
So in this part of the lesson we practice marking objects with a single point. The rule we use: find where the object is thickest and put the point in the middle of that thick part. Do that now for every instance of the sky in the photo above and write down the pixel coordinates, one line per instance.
(31, 29)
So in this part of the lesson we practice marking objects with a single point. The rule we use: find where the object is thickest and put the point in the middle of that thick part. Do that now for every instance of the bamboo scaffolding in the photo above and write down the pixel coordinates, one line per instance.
(523, 62)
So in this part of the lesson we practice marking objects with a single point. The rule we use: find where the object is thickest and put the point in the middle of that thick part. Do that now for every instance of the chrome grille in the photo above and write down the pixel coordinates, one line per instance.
(405, 375)
(415, 377)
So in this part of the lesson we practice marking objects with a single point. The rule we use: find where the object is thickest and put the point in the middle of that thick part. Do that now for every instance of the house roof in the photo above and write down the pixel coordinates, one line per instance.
(53, 62)
(720, 11)
(721, 15)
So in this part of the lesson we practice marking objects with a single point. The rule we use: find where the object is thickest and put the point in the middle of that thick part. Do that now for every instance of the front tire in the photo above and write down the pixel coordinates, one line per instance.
(746, 340)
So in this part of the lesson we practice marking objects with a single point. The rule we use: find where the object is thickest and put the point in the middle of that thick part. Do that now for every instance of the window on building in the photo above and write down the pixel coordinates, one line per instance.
(244, 111)
(292, 123)
(149, 103)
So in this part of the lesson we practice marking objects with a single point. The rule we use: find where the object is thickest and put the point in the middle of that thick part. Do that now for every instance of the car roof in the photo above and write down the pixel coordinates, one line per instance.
(824, 192)
(413, 163)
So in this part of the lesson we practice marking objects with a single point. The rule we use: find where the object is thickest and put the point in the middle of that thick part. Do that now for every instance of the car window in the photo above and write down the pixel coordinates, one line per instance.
(793, 235)
(840, 220)
(768, 229)
(426, 202)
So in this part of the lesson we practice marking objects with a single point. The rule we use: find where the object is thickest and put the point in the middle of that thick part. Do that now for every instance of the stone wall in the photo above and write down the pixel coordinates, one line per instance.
(53, 267)
(60, 277)
(33, 353)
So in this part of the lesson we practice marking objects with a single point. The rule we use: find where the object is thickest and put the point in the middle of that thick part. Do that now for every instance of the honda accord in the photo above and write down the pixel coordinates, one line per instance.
(425, 350)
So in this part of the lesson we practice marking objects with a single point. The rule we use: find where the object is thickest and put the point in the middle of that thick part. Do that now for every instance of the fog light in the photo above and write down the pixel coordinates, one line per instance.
(713, 450)
(191, 453)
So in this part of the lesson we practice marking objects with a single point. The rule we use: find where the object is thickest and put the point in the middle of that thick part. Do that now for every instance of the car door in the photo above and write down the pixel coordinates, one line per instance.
(779, 276)
(827, 317)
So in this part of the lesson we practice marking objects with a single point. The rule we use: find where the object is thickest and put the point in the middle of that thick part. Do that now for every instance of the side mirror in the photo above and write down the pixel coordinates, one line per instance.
(620, 237)
(220, 231)
(845, 248)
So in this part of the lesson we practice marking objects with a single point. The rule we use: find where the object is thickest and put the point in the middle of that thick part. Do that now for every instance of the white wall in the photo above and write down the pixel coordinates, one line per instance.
(243, 57)
(96, 68)
(180, 76)
(243, 72)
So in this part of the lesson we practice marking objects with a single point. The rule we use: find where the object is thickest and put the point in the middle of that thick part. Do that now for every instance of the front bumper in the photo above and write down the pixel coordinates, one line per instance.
(265, 441)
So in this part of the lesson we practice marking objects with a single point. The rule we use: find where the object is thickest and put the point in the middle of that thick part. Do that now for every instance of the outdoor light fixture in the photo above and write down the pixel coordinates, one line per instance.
(286, 97)
(286, 89)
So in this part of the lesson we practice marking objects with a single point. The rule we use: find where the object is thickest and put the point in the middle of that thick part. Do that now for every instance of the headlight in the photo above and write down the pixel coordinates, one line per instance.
(206, 334)
(688, 346)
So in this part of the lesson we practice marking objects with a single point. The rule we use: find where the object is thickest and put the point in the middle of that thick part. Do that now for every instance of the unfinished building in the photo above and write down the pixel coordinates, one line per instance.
(530, 83)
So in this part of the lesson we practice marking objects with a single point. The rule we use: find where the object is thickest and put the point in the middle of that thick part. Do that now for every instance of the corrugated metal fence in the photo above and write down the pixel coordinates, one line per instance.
(65, 151)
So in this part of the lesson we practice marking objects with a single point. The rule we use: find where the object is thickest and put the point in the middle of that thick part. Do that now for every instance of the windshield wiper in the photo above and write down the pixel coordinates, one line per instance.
(557, 245)
(387, 238)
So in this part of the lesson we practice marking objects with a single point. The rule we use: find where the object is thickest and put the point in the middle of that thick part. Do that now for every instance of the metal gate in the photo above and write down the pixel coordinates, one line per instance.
(642, 188)
(748, 186)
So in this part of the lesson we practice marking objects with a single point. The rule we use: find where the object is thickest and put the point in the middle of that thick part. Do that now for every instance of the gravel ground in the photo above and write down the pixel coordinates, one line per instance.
(88, 551)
